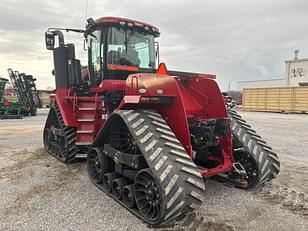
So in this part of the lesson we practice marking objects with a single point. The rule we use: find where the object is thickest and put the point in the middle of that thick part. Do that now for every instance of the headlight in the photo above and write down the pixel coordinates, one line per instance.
(142, 90)
(159, 91)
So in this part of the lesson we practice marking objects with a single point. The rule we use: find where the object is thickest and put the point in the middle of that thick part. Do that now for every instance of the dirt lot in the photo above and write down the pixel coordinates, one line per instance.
(39, 193)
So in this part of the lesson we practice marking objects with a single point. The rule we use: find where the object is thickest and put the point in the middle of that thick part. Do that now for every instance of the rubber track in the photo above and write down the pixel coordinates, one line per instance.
(69, 136)
(179, 178)
(255, 146)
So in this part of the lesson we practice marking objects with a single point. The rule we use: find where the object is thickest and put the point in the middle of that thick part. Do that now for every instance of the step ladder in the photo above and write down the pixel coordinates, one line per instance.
(86, 121)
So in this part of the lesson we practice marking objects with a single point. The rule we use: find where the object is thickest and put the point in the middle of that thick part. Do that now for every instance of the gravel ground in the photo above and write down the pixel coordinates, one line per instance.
(39, 193)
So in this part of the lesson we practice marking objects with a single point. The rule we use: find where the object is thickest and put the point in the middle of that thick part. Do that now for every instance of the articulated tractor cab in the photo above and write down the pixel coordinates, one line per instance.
(151, 136)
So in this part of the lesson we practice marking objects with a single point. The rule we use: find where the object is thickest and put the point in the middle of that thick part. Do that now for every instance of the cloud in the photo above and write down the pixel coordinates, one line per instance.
(236, 40)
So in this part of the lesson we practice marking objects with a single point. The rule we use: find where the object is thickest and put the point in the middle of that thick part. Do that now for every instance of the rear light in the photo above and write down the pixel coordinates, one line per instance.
(156, 99)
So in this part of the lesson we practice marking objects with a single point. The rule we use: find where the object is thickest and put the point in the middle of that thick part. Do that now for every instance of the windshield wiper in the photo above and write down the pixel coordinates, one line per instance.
(127, 39)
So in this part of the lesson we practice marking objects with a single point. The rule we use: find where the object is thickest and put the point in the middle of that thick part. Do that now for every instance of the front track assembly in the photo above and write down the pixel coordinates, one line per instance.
(140, 163)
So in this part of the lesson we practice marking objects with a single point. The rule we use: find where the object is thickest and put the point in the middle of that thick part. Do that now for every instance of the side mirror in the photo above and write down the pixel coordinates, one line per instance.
(50, 40)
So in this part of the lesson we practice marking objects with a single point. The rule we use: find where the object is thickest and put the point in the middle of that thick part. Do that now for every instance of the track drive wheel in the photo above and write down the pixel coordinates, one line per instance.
(95, 165)
(148, 195)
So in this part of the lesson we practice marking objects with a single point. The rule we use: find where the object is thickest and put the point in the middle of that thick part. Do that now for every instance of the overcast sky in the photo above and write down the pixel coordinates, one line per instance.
(236, 40)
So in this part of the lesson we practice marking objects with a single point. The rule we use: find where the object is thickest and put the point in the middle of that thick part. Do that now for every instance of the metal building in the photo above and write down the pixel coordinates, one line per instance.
(296, 71)
(296, 74)
(283, 95)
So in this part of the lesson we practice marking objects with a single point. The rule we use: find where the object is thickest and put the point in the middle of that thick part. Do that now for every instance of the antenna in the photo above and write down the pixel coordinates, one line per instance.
(87, 4)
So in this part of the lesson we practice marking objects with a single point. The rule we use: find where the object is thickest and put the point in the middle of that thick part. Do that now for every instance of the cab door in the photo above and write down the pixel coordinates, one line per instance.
(95, 57)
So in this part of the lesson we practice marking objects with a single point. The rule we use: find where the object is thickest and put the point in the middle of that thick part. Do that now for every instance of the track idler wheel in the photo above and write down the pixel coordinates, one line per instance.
(148, 195)
(95, 165)
(108, 179)
(117, 187)
(128, 196)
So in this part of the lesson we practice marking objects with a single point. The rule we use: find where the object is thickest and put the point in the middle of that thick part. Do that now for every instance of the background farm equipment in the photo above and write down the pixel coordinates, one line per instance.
(30, 87)
(150, 135)
(8, 110)
(3, 82)
(27, 97)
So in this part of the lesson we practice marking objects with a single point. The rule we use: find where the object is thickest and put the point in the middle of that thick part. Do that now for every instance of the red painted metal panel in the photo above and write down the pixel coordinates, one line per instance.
(66, 108)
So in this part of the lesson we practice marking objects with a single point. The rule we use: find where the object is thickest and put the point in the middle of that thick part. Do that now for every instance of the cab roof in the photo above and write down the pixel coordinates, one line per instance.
(128, 22)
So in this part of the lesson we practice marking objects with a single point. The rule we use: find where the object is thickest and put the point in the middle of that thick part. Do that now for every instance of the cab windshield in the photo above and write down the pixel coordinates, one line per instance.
(130, 48)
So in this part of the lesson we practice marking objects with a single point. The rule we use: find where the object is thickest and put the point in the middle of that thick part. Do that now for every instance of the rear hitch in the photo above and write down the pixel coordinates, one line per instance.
(237, 167)
(237, 176)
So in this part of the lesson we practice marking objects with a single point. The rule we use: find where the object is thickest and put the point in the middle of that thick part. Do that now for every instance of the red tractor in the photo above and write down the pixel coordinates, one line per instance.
(150, 135)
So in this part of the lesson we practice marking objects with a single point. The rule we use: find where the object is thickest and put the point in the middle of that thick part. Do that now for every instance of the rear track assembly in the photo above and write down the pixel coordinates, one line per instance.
(59, 140)
(251, 151)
